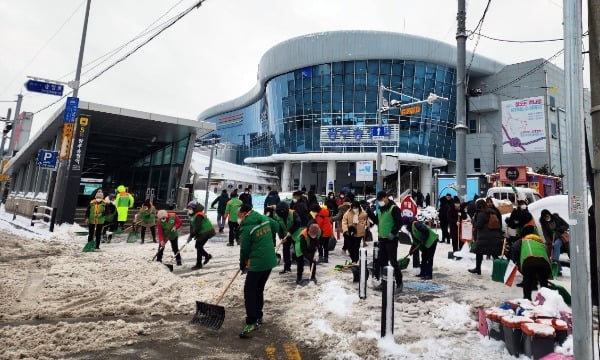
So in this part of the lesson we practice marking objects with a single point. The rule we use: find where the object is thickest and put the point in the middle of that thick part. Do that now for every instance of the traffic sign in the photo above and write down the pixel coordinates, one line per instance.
(71, 108)
(44, 87)
(378, 132)
(408, 207)
(47, 159)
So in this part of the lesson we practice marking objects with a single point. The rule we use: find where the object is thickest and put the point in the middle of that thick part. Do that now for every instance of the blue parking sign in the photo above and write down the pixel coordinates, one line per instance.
(47, 159)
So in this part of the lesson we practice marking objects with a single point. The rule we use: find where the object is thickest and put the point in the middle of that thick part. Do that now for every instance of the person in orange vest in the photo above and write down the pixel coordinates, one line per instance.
(123, 202)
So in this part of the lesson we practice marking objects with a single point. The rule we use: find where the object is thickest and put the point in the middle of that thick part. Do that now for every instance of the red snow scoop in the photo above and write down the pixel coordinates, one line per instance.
(209, 315)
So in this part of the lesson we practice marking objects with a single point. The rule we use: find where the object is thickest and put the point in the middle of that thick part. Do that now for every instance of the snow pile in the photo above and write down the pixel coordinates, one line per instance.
(428, 213)
(567, 347)
(553, 302)
(454, 317)
(335, 299)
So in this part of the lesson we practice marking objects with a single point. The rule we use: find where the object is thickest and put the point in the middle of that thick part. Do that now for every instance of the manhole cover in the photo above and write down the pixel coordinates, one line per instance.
(425, 286)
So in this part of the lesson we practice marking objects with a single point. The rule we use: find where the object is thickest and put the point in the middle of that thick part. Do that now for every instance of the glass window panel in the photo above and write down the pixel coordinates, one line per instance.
(409, 69)
(361, 67)
(429, 85)
(348, 106)
(336, 106)
(430, 71)
(373, 67)
(385, 80)
(326, 107)
(373, 79)
(359, 107)
(396, 82)
(360, 81)
(316, 80)
(420, 69)
(418, 83)
(323, 69)
(385, 68)
(372, 94)
(348, 67)
(338, 68)
(306, 83)
(371, 106)
(326, 81)
(359, 96)
(348, 94)
(407, 84)
(338, 80)
(397, 69)
(349, 80)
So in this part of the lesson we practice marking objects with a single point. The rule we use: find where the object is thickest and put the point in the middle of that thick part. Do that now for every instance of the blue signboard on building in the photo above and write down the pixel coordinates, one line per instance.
(47, 159)
(71, 110)
(44, 87)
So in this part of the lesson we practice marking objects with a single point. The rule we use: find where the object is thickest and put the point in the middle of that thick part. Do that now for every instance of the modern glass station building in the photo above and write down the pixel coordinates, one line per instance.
(312, 112)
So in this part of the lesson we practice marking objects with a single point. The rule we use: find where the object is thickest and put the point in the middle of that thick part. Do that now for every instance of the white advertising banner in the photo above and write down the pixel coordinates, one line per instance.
(364, 171)
(523, 125)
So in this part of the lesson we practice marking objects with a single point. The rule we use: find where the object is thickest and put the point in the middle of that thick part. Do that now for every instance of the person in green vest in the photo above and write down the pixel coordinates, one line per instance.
(424, 239)
(167, 225)
(110, 220)
(231, 214)
(95, 217)
(124, 201)
(389, 223)
(201, 230)
(257, 259)
(306, 246)
(147, 219)
(290, 227)
(533, 262)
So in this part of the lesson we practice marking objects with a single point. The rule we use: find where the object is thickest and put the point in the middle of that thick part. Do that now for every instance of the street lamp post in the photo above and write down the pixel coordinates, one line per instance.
(395, 104)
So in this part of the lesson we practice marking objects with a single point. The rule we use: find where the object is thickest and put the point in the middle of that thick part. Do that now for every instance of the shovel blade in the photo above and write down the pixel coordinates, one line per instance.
(209, 315)
(133, 236)
(89, 246)
(278, 258)
(170, 266)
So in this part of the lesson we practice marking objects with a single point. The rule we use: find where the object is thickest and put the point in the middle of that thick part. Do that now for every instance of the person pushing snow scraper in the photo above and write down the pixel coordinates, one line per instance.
(124, 201)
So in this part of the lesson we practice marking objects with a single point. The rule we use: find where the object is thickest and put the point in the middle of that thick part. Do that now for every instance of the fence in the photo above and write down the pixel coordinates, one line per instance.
(44, 215)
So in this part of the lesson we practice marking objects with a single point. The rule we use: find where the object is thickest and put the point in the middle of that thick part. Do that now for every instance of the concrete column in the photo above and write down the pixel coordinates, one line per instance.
(286, 173)
(331, 171)
(426, 185)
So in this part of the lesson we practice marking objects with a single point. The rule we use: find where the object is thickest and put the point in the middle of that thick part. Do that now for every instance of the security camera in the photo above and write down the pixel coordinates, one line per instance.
(395, 103)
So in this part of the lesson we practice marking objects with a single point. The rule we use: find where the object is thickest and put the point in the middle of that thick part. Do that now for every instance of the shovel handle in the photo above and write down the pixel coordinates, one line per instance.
(503, 247)
(227, 287)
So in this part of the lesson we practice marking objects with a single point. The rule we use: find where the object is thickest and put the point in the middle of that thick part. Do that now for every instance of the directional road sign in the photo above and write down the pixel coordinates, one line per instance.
(44, 87)
(378, 132)
(47, 159)
(71, 110)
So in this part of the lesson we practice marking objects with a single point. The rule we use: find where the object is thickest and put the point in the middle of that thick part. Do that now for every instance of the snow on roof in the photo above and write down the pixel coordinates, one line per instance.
(226, 170)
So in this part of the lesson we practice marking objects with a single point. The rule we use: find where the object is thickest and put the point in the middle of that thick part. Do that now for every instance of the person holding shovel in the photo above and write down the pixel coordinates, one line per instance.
(305, 249)
(167, 225)
(124, 201)
(201, 230)
(147, 218)
(290, 226)
(95, 217)
(425, 240)
(257, 258)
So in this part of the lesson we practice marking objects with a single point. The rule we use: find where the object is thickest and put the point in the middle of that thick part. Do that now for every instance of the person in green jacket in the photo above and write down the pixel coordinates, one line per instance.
(290, 227)
(257, 258)
(231, 214)
(221, 200)
(95, 216)
(308, 243)
(124, 201)
(534, 262)
(425, 240)
(201, 230)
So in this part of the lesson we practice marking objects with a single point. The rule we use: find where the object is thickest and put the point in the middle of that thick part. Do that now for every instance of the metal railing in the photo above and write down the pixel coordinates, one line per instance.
(44, 215)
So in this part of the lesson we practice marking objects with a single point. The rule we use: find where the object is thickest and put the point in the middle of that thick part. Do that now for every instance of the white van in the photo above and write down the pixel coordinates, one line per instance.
(500, 193)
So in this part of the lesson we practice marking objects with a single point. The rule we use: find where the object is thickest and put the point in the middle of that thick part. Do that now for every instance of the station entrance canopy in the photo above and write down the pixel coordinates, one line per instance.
(148, 153)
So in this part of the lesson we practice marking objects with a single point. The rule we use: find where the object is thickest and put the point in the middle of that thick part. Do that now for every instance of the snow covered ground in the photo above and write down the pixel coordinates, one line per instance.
(49, 287)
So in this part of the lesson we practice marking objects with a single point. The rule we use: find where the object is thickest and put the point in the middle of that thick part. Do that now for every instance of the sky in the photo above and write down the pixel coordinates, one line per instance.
(212, 54)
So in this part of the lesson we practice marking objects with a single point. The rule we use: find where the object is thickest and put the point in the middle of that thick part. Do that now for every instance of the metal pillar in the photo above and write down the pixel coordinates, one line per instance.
(379, 184)
(578, 204)
(286, 173)
(461, 106)
(11, 144)
(208, 177)
(331, 172)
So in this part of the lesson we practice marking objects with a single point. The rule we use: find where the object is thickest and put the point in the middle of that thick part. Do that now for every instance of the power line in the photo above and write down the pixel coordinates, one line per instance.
(171, 23)
(523, 41)
(478, 28)
(43, 47)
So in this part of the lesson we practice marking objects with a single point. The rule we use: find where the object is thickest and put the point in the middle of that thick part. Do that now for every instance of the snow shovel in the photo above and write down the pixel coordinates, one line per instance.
(209, 315)
(403, 262)
(90, 245)
(305, 282)
(499, 266)
(277, 253)
(133, 236)
(170, 265)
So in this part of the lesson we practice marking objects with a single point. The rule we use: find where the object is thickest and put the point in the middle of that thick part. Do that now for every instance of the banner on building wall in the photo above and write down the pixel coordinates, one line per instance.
(523, 125)
(359, 135)
(80, 144)
(364, 171)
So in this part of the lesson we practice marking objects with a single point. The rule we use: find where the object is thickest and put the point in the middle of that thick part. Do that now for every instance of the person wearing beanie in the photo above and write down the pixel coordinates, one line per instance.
(290, 227)
(95, 217)
(167, 225)
(201, 231)
(306, 248)
(425, 240)
(231, 214)
(389, 223)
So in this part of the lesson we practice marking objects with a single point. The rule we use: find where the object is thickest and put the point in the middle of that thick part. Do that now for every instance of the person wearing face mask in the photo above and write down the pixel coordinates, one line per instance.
(425, 240)
(331, 204)
(147, 218)
(554, 228)
(342, 209)
(354, 225)
(246, 198)
(520, 217)
(201, 231)
(231, 213)
(300, 206)
(95, 217)
(389, 222)
(271, 200)
(306, 247)
(454, 215)
(167, 225)
(321, 216)
(290, 227)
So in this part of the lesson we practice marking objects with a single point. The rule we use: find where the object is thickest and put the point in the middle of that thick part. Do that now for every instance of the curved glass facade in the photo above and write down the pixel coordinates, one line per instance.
(288, 118)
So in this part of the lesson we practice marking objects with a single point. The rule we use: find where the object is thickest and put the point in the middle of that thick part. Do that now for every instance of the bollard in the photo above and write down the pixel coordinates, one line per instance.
(376, 266)
(387, 301)
(362, 282)
(15, 211)
(35, 209)
(52, 219)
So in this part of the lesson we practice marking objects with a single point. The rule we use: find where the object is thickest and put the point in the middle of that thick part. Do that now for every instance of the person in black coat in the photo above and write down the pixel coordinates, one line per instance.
(454, 215)
(490, 204)
(272, 199)
(312, 199)
(300, 207)
(331, 204)
(488, 239)
(445, 204)
(246, 197)
(221, 202)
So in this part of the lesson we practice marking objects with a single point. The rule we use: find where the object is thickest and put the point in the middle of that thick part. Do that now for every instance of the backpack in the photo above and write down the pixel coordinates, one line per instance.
(493, 221)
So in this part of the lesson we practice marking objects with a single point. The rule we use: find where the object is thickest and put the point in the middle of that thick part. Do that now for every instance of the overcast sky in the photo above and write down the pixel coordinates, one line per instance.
(211, 55)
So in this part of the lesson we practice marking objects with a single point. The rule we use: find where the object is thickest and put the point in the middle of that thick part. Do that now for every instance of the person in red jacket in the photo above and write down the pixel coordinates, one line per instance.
(323, 219)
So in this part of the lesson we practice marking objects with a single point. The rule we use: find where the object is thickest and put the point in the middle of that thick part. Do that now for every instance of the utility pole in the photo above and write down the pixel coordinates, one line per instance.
(58, 199)
(461, 107)
(578, 203)
(11, 144)
(208, 177)
(5, 133)
(594, 26)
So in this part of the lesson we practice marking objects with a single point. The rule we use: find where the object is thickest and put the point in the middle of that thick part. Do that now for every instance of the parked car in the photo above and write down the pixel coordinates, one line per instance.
(500, 193)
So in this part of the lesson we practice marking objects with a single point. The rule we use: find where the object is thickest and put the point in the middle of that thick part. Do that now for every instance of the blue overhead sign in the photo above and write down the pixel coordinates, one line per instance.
(47, 159)
(44, 87)
(71, 110)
